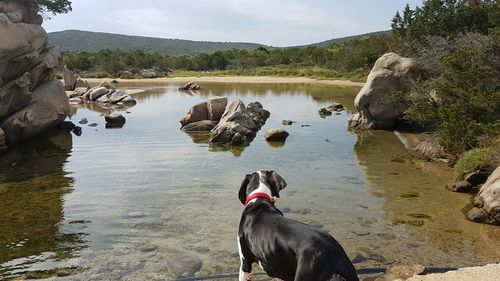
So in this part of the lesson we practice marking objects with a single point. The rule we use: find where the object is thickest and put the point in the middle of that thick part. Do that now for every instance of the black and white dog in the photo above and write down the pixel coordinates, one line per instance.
(284, 248)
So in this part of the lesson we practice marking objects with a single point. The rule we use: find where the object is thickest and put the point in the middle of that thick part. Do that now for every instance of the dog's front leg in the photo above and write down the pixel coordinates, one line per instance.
(245, 266)
(245, 276)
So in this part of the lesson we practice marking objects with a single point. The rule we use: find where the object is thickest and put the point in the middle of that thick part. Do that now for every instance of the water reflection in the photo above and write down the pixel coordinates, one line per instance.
(103, 110)
(32, 187)
(148, 204)
(415, 196)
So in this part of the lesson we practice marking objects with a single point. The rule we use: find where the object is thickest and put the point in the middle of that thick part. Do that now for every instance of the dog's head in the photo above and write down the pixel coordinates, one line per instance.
(268, 182)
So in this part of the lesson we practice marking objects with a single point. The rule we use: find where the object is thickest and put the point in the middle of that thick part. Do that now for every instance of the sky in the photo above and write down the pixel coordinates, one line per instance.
(271, 22)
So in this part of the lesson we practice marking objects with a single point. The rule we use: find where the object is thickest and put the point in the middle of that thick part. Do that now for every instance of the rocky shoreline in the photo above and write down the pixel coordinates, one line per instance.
(32, 100)
(391, 73)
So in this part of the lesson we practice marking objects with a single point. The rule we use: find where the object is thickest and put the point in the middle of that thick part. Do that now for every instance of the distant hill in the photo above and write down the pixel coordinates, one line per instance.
(345, 39)
(77, 40)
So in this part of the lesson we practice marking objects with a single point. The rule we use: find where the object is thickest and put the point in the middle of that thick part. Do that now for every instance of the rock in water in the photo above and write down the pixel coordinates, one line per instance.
(287, 122)
(96, 93)
(118, 96)
(461, 186)
(200, 126)
(478, 215)
(190, 86)
(115, 119)
(216, 107)
(128, 101)
(388, 75)
(487, 202)
(239, 124)
(49, 107)
(324, 112)
(276, 135)
(236, 119)
(336, 107)
(198, 112)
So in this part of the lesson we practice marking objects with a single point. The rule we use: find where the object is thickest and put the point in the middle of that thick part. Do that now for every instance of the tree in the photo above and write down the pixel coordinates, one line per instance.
(398, 24)
(53, 7)
(445, 18)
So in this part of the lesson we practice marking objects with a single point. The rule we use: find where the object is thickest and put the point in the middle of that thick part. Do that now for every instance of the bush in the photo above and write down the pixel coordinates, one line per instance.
(457, 90)
(478, 158)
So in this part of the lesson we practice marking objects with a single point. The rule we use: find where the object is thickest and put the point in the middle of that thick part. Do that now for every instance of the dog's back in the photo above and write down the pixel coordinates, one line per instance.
(291, 250)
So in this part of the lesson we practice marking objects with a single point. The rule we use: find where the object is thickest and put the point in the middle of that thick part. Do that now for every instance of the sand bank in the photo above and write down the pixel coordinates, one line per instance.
(238, 79)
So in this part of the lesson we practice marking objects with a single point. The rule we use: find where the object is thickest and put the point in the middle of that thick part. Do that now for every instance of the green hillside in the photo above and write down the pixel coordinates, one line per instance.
(78, 41)
(341, 40)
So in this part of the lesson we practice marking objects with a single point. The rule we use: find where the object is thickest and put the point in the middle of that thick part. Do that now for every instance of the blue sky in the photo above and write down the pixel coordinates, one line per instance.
(270, 22)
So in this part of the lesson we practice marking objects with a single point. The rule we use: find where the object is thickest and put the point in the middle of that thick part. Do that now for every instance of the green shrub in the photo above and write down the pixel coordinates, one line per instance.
(472, 160)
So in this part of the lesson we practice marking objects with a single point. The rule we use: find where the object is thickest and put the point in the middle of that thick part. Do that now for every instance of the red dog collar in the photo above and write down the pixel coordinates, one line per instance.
(258, 195)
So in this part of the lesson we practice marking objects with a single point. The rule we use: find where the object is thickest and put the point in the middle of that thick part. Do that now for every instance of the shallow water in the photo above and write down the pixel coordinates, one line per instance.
(147, 202)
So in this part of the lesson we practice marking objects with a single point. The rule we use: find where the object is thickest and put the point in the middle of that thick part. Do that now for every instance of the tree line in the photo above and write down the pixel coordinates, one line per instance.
(456, 90)
(456, 44)
(355, 56)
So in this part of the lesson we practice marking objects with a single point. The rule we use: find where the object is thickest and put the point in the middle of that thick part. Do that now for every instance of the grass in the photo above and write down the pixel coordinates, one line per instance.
(314, 73)
(479, 158)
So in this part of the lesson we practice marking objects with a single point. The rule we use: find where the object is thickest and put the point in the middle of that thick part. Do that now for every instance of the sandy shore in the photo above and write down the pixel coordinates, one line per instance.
(237, 79)
(490, 272)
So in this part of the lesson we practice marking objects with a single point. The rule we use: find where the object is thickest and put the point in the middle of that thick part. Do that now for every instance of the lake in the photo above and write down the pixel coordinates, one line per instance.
(149, 202)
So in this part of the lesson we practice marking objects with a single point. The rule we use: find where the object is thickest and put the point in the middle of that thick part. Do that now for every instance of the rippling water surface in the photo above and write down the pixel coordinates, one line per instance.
(149, 202)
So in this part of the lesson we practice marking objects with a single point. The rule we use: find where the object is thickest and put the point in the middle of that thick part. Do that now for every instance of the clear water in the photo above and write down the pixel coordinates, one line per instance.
(148, 202)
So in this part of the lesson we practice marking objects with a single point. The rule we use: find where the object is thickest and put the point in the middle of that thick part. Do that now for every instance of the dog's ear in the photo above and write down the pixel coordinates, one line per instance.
(242, 195)
(276, 183)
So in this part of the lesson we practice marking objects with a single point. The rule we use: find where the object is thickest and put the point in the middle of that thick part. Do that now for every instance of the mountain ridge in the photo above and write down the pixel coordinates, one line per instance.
(88, 41)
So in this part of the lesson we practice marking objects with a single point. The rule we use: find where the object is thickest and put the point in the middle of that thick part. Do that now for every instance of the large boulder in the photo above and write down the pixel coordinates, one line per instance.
(238, 124)
(198, 112)
(46, 67)
(48, 108)
(31, 99)
(14, 96)
(216, 107)
(389, 74)
(20, 47)
(487, 203)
